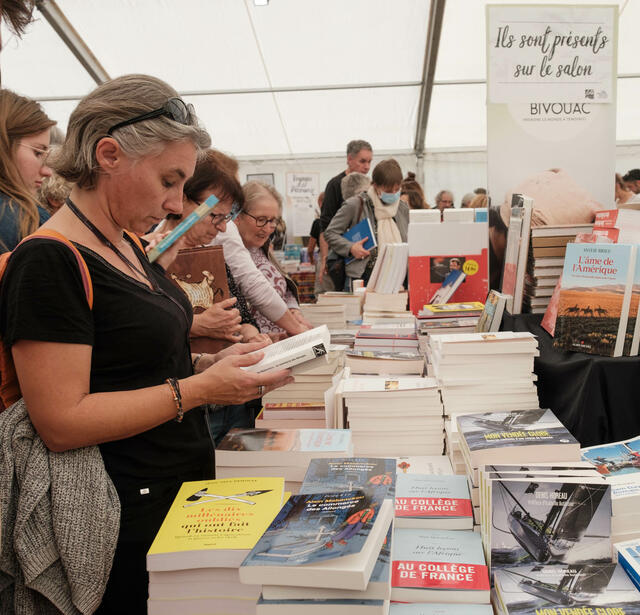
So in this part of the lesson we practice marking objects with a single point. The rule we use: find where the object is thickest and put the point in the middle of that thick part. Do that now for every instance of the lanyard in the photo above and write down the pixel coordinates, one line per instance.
(98, 233)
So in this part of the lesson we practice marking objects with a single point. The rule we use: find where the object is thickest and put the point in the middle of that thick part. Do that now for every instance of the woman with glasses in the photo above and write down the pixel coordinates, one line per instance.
(118, 372)
(24, 143)
(256, 222)
(231, 319)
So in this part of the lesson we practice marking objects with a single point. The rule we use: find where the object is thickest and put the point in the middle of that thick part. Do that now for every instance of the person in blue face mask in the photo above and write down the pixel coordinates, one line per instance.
(387, 214)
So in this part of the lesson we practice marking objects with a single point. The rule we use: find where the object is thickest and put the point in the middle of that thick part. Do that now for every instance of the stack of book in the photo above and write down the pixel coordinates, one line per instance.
(382, 362)
(445, 254)
(452, 444)
(567, 588)
(439, 566)
(508, 437)
(352, 303)
(546, 259)
(376, 477)
(393, 416)
(442, 312)
(209, 530)
(421, 608)
(539, 514)
(628, 554)
(293, 415)
(304, 276)
(312, 379)
(269, 452)
(332, 315)
(389, 271)
(318, 544)
(387, 338)
(381, 316)
(485, 371)
(619, 464)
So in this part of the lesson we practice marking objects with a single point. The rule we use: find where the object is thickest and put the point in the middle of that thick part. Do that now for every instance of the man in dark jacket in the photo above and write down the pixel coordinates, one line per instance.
(359, 156)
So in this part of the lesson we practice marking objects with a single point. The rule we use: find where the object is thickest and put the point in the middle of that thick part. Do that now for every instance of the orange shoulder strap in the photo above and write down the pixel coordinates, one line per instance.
(135, 240)
(46, 233)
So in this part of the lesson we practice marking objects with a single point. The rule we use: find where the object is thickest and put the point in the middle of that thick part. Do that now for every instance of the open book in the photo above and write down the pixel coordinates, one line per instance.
(294, 350)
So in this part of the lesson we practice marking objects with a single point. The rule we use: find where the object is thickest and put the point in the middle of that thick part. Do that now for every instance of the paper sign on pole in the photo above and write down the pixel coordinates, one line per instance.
(551, 53)
(551, 133)
(302, 194)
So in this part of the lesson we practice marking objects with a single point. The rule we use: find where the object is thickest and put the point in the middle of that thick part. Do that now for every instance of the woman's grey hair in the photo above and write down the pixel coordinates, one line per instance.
(353, 184)
(255, 190)
(113, 102)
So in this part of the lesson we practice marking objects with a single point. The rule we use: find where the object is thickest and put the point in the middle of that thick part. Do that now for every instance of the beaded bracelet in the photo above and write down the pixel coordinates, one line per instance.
(177, 397)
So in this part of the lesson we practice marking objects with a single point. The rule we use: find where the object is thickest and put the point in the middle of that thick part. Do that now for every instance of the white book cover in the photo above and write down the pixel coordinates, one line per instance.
(294, 350)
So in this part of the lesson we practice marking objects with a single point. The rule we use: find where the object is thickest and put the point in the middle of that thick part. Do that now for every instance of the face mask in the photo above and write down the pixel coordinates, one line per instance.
(388, 198)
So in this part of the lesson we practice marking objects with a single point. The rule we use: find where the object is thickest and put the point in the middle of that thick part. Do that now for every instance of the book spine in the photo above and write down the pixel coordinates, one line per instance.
(626, 304)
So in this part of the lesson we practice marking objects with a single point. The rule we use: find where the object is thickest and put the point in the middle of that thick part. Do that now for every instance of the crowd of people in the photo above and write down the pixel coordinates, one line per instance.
(99, 336)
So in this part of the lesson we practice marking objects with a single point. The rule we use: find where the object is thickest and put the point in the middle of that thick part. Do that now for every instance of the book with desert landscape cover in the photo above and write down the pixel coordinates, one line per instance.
(200, 274)
(594, 298)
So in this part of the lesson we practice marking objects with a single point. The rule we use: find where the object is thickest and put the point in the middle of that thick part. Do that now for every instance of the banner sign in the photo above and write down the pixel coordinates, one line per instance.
(564, 54)
(302, 194)
(550, 136)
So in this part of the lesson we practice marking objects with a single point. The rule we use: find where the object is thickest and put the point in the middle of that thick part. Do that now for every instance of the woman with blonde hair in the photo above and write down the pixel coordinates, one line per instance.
(256, 222)
(24, 144)
(118, 372)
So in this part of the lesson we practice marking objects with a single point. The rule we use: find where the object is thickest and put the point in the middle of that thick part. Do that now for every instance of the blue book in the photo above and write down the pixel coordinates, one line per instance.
(321, 540)
(629, 559)
(323, 607)
(358, 232)
(345, 473)
(378, 587)
(426, 501)
(438, 565)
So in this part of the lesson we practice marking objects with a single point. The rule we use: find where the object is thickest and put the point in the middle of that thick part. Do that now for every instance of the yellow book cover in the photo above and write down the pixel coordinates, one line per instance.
(211, 520)
(468, 306)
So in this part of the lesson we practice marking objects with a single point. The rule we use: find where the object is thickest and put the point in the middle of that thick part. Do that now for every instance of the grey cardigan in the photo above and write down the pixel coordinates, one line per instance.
(60, 519)
(347, 216)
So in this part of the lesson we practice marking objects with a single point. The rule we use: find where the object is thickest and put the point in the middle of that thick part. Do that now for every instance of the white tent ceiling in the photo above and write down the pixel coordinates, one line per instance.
(296, 77)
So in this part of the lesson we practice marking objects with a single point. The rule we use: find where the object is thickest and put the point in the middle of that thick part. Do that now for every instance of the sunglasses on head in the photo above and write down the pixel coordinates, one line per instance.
(175, 109)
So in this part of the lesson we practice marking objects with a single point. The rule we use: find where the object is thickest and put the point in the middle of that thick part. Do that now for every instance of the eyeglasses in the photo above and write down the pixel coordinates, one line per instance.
(218, 218)
(40, 152)
(175, 109)
(262, 220)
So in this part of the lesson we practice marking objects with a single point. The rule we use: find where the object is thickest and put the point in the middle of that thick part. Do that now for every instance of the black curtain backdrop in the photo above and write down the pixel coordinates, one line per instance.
(596, 398)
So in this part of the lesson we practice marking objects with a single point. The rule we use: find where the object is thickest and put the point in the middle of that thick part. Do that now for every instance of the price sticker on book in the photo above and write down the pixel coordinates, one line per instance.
(470, 267)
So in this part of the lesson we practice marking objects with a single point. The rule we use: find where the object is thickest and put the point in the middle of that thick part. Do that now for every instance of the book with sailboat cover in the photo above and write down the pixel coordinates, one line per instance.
(595, 589)
(506, 437)
(547, 520)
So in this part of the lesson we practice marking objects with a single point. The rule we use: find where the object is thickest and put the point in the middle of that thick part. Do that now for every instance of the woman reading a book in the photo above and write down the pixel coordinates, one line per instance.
(256, 222)
(230, 319)
(118, 372)
(388, 216)
(24, 139)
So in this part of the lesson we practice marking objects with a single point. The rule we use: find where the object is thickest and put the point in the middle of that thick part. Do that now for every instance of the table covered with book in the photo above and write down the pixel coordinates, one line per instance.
(596, 397)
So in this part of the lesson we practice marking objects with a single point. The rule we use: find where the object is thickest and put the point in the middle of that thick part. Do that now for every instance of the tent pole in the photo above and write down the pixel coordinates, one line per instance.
(59, 22)
(436, 14)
